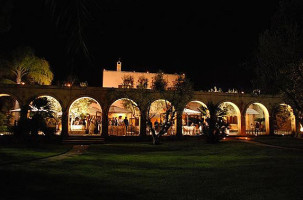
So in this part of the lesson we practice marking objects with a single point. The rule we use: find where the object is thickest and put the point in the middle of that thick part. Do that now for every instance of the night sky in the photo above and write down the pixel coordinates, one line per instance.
(206, 40)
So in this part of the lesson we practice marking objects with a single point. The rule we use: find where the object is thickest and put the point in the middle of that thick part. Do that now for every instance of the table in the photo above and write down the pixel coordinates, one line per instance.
(189, 130)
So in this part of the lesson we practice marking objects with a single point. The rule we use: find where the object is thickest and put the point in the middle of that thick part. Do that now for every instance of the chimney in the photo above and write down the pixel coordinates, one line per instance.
(119, 66)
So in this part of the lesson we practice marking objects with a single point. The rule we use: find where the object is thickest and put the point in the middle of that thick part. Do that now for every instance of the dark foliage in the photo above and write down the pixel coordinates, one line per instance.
(216, 126)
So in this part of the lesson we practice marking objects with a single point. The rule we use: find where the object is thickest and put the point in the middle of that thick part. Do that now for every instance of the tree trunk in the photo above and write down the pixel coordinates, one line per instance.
(16, 115)
(143, 125)
(64, 123)
(156, 140)
(104, 123)
(18, 78)
(272, 123)
(16, 105)
(179, 125)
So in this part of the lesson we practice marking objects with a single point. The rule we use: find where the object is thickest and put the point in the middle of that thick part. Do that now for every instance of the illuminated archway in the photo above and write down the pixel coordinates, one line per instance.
(232, 117)
(124, 118)
(85, 117)
(257, 119)
(285, 121)
(9, 113)
(194, 115)
(157, 114)
(51, 111)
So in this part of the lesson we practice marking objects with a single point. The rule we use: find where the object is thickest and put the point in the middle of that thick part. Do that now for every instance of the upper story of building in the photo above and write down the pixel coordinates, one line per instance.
(119, 78)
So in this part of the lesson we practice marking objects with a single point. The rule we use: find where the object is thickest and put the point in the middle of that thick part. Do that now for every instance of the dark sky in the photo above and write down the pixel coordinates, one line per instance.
(206, 40)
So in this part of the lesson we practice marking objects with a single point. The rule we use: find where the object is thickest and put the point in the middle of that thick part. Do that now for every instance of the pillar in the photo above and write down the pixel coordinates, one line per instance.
(64, 121)
(179, 124)
(272, 125)
(143, 123)
(298, 132)
(23, 112)
(105, 122)
(243, 124)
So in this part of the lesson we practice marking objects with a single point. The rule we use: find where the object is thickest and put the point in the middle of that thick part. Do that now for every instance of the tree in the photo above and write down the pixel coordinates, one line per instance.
(44, 106)
(142, 82)
(41, 108)
(127, 81)
(72, 17)
(278, 64)
(81, 106)
(179, 95)
(159, 83)
(215, 129)
(5, 15)
(24, 66)
(174, 101)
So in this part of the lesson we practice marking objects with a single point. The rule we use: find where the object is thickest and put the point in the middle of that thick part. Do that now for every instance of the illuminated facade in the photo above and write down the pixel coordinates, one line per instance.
(114, 79)
(98, 107)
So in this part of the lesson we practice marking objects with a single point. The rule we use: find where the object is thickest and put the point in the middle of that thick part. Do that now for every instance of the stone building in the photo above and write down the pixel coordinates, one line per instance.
(245, 109)
(114, 79)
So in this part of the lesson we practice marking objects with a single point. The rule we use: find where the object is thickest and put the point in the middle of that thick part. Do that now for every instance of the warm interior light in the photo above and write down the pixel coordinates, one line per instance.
(301, 129)
(22, 83)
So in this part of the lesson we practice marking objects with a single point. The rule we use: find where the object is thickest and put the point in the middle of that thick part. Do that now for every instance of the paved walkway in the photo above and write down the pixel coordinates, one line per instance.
(75, 151)
(247, 140)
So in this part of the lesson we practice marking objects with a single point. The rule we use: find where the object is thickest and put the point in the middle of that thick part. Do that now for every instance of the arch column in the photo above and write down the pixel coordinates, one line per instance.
(64, 122)
(105, 121)
(298, 132)
(272, 122)
(243, 124)
(23, 111)
(179, 124)
(143, 118)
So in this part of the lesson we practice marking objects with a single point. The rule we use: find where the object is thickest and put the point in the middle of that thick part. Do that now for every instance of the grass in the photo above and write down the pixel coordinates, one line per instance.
(21, 153)
(172, 170)
(284, 141)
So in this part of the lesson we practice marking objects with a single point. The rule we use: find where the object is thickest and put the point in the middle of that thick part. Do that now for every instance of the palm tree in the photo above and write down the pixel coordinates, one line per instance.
(214, 132)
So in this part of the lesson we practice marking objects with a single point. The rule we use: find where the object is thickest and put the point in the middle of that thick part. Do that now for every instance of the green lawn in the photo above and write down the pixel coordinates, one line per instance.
(172, 170)
(20, 153)
(285, 141)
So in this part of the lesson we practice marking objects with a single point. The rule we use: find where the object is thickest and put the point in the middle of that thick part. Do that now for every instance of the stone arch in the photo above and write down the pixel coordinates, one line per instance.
(251, 118)
(156, 110)
(53, 116)
(119, 110)
(284, 120)
(233, 117)
(10, 111)
(192, 117)
(5, 94)
(84, 116)
(45, 94)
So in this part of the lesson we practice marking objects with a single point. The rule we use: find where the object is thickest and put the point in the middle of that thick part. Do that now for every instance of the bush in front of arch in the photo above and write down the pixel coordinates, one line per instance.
(215, 128)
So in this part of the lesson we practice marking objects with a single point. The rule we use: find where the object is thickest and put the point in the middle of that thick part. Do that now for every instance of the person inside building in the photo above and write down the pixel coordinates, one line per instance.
(125, 121)
(257, 128)
(252, 128)
(120, 121)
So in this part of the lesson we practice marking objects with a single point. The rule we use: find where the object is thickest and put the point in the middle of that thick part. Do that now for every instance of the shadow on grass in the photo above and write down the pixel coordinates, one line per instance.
(229, 170)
